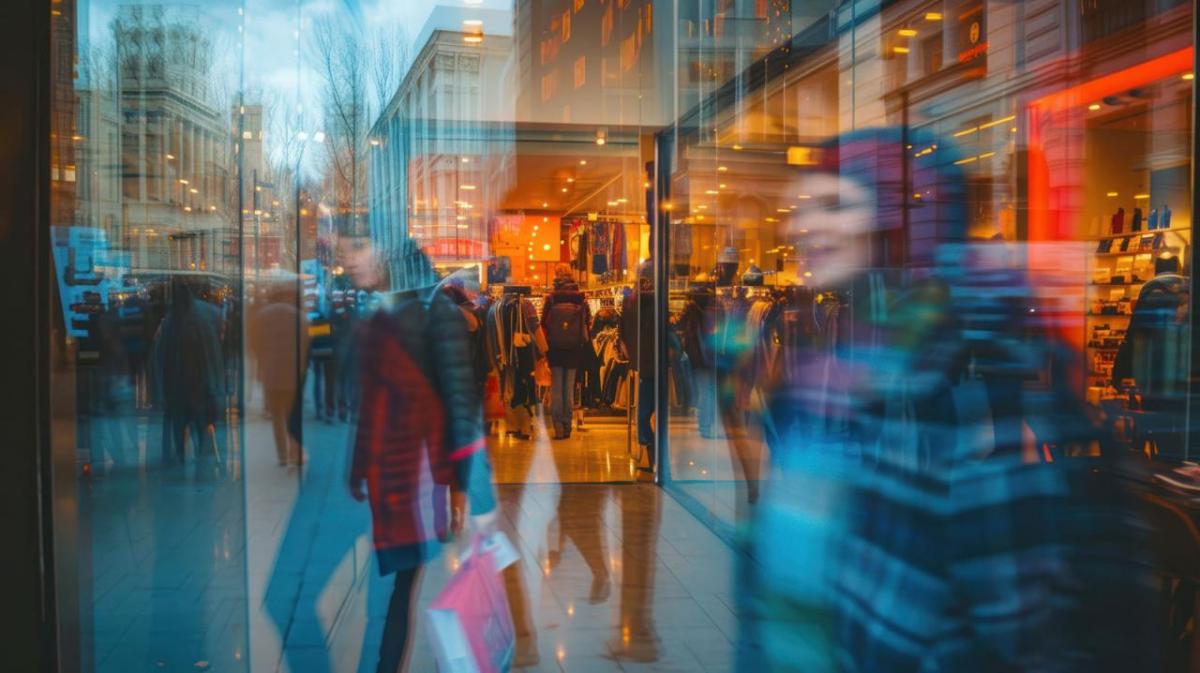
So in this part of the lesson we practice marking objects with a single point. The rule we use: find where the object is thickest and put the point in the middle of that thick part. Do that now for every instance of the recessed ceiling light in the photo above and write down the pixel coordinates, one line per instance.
(1094, 106)
(469, 188)
(907, 32)
(900, 50)
(933, 16)
(1188, 76)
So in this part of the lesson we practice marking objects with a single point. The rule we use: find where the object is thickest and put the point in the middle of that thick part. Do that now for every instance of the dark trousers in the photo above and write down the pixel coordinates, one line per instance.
(325, 388)
(393, 648)
(645, 410)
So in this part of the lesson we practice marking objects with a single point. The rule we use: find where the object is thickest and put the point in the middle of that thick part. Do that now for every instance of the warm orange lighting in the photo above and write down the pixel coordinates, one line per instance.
(1094, 106)
(469, 188)
(722, 168)
(472, 39)
(737, 148)
(933, 16)
(906, 32)
(1112, 194)
(900, 50)
(1187, 76)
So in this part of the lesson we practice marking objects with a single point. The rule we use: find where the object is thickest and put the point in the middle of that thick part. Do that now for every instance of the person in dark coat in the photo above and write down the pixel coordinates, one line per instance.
(190, 371)
(419, 433)
(637, 337)
(567, 353)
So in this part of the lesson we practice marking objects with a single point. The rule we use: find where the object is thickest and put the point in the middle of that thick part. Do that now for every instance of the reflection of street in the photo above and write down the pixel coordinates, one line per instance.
(165, 543)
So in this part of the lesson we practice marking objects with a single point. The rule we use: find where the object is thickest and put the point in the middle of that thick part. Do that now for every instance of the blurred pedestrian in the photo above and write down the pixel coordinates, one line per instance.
(191, 374)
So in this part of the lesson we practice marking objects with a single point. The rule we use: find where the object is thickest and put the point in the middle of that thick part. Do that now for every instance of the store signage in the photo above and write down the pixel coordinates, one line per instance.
(972, 31)
(803, 156)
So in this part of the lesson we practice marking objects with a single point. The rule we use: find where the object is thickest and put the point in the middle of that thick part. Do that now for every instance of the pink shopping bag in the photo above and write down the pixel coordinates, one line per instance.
(469, 621)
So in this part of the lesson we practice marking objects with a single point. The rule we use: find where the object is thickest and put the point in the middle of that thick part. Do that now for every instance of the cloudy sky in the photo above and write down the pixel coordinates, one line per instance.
(278, 57)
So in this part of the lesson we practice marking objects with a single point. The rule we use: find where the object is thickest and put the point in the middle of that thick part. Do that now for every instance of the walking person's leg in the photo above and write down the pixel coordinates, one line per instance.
(557, 376)
(645, 411)
(393, 650)
(565, 394)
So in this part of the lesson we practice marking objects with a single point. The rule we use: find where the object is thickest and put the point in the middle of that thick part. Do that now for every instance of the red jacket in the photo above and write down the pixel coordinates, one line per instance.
(420, 426)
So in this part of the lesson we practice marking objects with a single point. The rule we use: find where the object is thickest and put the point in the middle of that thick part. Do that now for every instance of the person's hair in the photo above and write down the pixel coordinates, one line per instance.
(1166, 263)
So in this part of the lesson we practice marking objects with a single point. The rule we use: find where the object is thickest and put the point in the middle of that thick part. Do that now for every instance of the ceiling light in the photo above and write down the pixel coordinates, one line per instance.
(711, 192)
(804, 197)
(583, 162)
(737, 147)
(1187, 76)
(1094, 106)
(933, 16)
(1141, 197)
(469, 188)
(900, 50)
(564, 190)
(570, 179)
(466, 160)
(907, 32)
(722, 168)
(472, 22)
(1112, 194)
(472, 39)
(545, 205)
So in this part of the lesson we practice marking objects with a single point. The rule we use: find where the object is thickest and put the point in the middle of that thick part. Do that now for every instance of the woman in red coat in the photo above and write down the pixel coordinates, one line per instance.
(420, 430)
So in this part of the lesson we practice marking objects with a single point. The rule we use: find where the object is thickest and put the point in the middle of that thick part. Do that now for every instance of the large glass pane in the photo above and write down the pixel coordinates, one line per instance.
(892, 299)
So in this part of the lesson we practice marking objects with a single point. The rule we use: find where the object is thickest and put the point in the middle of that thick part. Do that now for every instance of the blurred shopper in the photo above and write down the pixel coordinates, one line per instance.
(565, 319)
(696, 327)
(1152, 362)
(637, 338)
(321, 355)
(280, 344)
(420, 430)
(109, 386)
(191, 374)
(885, 540)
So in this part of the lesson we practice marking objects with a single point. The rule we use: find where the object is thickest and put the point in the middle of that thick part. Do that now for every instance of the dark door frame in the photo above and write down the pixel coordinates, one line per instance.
(26, 566)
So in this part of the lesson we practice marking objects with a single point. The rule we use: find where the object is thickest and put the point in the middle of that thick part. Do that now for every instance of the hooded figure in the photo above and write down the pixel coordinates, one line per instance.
(886, 538)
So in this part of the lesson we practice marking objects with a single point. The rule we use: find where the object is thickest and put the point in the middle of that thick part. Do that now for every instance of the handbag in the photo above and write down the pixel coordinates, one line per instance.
(470, 623)
(541, 373)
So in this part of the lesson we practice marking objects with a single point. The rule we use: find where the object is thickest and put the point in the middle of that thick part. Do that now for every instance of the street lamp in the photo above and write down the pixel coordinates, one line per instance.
(318, 138)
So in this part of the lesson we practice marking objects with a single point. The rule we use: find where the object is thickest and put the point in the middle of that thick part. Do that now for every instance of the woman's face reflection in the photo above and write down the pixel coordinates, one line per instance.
(831, 223)
(357, 256)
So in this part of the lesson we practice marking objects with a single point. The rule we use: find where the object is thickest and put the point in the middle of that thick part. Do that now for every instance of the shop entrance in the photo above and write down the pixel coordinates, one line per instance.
(566, 300)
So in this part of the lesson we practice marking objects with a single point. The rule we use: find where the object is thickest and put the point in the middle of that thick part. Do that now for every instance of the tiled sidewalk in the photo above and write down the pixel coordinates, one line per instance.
(181, 565)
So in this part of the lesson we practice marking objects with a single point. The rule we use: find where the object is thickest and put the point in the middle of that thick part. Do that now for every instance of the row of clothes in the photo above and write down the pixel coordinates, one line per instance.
(596, 247)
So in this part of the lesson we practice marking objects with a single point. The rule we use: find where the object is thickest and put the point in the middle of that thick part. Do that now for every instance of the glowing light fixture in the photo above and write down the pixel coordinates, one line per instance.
(1094, 106)
(906, 32)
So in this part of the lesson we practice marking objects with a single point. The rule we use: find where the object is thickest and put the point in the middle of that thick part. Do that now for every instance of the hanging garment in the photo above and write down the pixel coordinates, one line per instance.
(619, 254)
(1118, 222)
(1137, 220)
(601, 244)
(1152, 220)
(1166, 217)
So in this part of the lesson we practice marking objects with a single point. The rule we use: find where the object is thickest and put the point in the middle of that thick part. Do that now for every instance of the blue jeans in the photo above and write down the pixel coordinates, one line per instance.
(562, 395)
(706, 401)
(645, 409)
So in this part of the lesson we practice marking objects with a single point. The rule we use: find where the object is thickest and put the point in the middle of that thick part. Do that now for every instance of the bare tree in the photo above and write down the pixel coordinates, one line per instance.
(344, 70)
(360, 70)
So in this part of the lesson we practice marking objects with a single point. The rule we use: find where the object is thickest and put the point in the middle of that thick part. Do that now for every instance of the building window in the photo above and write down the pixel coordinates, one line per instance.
(549, 85)
(580, 71)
